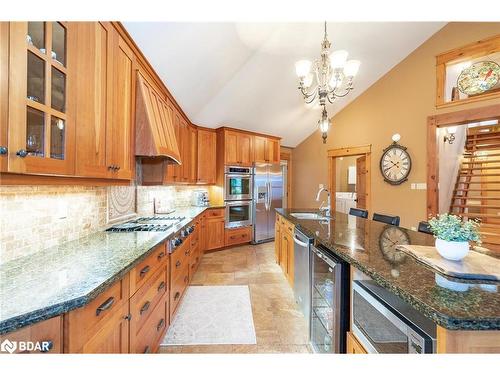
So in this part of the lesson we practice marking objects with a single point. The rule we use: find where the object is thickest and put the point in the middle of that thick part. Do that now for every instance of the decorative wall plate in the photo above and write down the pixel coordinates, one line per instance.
(479, 78)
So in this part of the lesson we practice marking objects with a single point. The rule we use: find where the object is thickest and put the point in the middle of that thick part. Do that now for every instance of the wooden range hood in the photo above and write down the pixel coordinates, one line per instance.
(155, 134)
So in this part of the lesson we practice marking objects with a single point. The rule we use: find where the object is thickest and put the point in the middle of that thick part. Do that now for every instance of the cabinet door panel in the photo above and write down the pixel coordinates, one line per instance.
(41, 134)
(4, 84)
(113, 337)
(120, 145)
(214, 234)
(260, 149)
(273, 151)
(207, 156)
(193, 154)
(245, 149)
(231, 148)
(93, 81)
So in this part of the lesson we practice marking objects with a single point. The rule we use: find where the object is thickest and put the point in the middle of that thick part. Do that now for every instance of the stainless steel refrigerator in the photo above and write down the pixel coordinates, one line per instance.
(268, 195)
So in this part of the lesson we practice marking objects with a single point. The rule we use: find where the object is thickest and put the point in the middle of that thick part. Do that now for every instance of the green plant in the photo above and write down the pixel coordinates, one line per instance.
(452, 228)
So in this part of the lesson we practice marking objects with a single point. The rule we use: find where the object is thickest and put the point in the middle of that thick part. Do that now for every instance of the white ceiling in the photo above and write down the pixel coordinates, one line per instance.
(242, 74)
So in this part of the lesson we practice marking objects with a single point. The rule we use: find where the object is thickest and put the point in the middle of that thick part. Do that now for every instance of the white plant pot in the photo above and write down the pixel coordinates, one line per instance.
(452, 250)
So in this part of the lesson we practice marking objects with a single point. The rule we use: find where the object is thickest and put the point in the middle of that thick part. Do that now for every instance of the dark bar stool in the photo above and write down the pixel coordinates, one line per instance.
(424, 227)
(358, 212)
(392, 220)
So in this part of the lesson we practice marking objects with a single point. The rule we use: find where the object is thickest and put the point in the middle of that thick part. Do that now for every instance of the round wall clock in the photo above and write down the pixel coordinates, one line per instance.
(479, 77)
(395, 164)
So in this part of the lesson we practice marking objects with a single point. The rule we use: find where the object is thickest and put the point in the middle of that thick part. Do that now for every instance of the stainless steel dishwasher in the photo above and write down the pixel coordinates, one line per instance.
(302, 274)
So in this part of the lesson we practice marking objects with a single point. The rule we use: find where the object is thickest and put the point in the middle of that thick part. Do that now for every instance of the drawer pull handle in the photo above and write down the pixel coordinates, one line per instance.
(177, 295)
(144, 308)
(186, 253)
(160, 325)
(161, 255)
(46, 348)
(144, 271)
(161, 286)
(128, 317)
(105, 306)
(147, 350)
(178, 264)
(22, 153)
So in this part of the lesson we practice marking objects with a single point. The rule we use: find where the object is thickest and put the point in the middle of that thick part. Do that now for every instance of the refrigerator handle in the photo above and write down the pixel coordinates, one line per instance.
(269, 192)
(266, 202)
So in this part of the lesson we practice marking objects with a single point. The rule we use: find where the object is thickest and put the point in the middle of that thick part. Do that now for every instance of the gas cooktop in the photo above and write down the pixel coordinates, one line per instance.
(148, 224)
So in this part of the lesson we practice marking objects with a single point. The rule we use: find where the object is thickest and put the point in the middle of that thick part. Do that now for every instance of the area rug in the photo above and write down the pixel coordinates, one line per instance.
(210, 315)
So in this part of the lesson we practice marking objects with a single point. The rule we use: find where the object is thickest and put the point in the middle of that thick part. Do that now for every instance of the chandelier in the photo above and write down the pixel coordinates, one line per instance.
(333, 75)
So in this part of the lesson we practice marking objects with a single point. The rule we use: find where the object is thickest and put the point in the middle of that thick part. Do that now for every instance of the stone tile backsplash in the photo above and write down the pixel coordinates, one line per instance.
(34, 218)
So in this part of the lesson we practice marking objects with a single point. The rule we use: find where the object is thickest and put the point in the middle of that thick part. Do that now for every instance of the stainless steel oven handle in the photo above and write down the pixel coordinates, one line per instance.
(384, 311)
(300, 243)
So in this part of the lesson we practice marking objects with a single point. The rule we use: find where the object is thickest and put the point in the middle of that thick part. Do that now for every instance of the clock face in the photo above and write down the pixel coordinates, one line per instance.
(390, 238)
(479, 77)
(395, 164)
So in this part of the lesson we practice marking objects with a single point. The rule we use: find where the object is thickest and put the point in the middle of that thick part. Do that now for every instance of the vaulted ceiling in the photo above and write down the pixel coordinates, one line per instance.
(242, 74)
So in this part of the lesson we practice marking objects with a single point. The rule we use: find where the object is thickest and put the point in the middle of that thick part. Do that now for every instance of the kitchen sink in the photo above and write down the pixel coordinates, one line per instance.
(309, 216)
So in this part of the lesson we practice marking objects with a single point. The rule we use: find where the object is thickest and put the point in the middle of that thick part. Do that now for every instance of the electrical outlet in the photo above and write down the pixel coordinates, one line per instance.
(422, 186)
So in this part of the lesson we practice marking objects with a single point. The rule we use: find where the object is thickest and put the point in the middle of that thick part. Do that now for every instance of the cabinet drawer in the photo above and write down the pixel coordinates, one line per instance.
(144, 301)
(238, 235)
(84, 322)
(144, 270)
(177, 288)
(215, 212)
(180, 260)
(148, 337)
(48, 334)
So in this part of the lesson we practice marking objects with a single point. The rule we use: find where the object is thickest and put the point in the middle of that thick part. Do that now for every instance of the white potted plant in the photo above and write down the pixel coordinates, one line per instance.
(453, 235)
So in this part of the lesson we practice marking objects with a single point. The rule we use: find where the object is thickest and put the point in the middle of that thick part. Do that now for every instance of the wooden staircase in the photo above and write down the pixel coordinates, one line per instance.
(477, 190)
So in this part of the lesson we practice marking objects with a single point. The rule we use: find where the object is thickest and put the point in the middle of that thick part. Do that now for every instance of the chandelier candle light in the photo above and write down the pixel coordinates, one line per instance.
(334, 75)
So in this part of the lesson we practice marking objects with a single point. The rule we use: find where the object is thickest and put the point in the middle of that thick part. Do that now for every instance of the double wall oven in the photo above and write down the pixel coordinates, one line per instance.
(238, 194)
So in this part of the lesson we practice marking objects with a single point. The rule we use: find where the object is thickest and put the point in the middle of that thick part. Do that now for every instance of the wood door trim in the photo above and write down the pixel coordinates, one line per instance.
(349, 151)
(289, 159)
(443, 120)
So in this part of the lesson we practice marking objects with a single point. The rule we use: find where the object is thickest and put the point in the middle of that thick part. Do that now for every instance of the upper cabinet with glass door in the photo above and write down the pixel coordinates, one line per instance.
(41, 104)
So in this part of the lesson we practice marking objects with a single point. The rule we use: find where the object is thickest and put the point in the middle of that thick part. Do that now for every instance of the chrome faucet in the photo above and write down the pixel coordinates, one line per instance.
(325, 210)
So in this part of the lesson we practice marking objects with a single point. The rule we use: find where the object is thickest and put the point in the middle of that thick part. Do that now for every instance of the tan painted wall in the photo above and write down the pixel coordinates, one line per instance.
(397, 103)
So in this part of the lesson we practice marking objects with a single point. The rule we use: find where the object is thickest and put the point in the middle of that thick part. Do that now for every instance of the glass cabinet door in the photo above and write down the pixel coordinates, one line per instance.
(39, 123)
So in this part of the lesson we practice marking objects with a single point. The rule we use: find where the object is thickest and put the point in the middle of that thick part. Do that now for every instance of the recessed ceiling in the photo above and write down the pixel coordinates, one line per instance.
(242, 74)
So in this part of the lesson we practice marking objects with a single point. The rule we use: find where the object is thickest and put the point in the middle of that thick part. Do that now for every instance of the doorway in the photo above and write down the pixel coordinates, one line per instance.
(349, 180)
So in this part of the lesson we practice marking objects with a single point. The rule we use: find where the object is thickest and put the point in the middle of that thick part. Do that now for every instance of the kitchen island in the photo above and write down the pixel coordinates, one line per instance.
(467, 321)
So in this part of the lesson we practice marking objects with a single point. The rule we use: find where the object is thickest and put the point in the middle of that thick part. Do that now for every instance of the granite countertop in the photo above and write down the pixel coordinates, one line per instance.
(358, 242)
(64, 277)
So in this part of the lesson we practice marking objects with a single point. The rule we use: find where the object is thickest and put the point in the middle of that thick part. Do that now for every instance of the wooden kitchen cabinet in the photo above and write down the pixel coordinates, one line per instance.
(353, 345)
(49, 333)
(266, 150)
(207, 156)
(238, 147)
(112, 337)
(120, 150)
(284, 249)
(215, 229)
(236, 236)
(193, 154)
(277, 239)
(4, 96)
(42, 97)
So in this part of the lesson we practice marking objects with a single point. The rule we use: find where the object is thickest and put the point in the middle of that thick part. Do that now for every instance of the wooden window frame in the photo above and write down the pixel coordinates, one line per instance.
(441, 121)
(333, 154)
(470, 51)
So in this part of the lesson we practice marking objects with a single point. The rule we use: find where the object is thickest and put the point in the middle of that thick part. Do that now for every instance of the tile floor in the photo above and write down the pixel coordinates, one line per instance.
(279, 326)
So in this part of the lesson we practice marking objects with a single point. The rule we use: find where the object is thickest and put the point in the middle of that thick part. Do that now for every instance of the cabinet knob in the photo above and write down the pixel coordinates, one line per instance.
(22, 153)
(3, 150)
